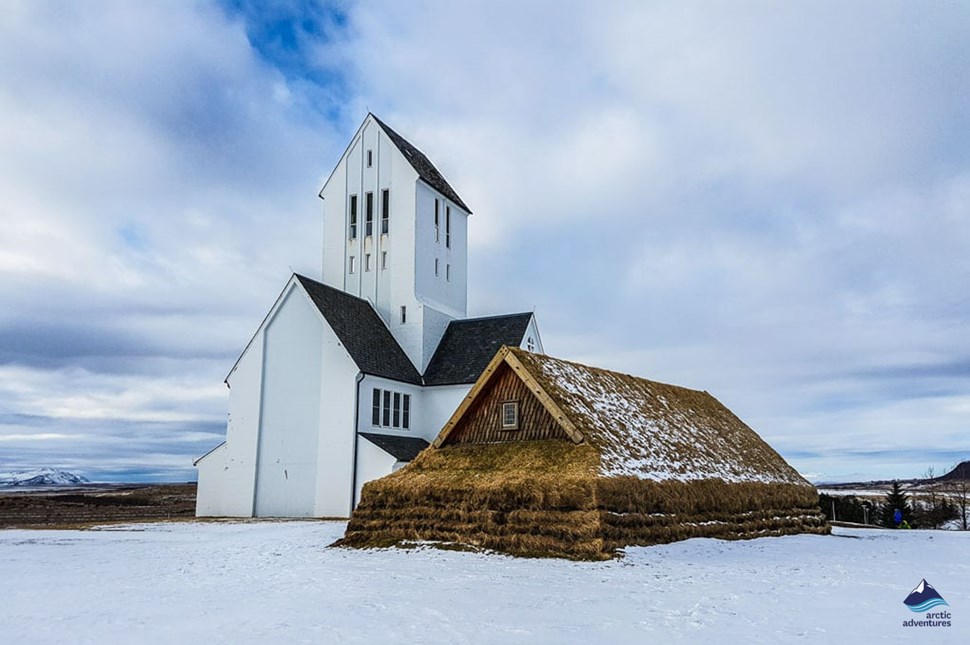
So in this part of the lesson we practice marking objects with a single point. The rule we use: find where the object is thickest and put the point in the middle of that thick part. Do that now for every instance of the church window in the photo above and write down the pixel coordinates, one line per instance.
(353, 217)
(383, 260)
(352, 264)
(387, 407)
(530, 344)
(436, 221)
(404, 314)
(397, 410)
(448, 226)
(436, 267)
(370, 158)
(367, 262)
(376, 408)
(369, 214)
(385, 210)
(510, 415)
(448, 272)
(406, 412)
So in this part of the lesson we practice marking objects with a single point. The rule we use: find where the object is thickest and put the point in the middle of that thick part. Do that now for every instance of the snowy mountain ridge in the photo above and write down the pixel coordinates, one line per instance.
(40, 477)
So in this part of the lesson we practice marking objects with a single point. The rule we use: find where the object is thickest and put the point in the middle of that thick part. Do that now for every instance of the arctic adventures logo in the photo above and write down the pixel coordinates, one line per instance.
(922, 599)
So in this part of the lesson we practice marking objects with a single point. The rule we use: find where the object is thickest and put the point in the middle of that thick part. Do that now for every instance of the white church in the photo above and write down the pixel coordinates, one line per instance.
(349, 378)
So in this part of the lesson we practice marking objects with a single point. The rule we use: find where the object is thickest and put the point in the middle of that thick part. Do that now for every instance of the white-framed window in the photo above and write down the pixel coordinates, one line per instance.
(385, 211)
(437, 221)
(436, 267)
(530, 344)
(448, 272)
(390, 409)
(510, 415)
(404, 314)
(370, 158)
(369, 214)
(367, 262)
(353, 217)
(383, 260)
(352, 265)
(448, 226)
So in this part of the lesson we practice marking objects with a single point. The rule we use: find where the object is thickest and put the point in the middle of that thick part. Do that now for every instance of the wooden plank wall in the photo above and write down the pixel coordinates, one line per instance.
(482, 422)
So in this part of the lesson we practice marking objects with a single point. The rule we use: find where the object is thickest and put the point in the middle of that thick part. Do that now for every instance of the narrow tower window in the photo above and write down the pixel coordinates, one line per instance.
(448, 226)
(353, 217)
(448, 272)
(367, 262)
(436, 267)
(352, 264)
(369, 214)
(370, 158)
(436, 220)
(404, 314)
(385, 210)
(383, 260)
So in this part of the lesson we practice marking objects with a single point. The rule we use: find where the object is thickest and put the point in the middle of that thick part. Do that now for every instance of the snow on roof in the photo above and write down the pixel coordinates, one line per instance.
(656, 431)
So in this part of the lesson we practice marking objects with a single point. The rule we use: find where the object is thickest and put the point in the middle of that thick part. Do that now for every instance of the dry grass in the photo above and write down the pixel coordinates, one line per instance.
(544, 499)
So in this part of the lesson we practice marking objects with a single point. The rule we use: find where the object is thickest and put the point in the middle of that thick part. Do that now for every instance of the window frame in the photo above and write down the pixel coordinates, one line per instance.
(504, 409)
(367, 262)
(447, 227)
(385, 211)
(353, 217)
(370, 158)
(406, 411)
(369, 214)
(353, 265)
(375, 417)
(437, 222)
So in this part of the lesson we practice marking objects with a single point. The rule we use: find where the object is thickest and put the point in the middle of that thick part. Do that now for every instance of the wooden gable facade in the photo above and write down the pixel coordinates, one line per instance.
(506, 380)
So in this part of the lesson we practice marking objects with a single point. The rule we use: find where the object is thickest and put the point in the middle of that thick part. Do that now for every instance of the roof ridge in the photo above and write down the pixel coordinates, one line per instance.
(592, 368)
(520, 313)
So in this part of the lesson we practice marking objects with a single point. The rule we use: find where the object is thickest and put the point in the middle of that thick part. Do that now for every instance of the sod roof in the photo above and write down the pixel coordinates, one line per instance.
(643, 428)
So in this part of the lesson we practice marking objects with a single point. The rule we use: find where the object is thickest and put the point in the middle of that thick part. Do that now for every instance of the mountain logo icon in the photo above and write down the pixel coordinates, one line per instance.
(924, 597)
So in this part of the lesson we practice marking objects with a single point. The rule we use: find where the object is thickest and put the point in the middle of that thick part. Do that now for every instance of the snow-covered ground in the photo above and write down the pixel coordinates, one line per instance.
(275, 582)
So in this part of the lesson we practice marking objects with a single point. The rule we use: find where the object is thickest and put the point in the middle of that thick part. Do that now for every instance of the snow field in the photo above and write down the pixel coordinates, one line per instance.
(259, 582)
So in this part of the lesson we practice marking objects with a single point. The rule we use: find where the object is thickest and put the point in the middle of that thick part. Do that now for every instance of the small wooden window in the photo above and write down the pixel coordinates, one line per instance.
(510, 415)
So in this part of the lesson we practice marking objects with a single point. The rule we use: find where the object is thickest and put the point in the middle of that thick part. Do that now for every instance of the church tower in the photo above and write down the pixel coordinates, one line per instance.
(395, 234)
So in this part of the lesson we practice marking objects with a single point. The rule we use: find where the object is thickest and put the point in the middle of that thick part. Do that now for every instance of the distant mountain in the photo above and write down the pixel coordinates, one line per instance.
(960, 471)
(40, 477)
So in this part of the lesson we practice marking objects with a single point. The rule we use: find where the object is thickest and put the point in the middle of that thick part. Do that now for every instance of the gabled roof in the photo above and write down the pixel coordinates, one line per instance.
(468, 345)
(641, 428)
(401, 448)
(425, 169)
(362, 332)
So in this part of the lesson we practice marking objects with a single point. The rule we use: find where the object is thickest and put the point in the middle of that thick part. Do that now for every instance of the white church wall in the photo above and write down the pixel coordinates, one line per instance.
(335, 453)
(445, 290)
(290, 415)
(438, 405)
(372, 463)
(435, 325)
(212, 468)
(242, 432)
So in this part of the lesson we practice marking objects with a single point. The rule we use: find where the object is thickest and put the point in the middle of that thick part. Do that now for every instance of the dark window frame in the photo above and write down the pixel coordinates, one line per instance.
(353, 217)
(369, 214)
(385, 211)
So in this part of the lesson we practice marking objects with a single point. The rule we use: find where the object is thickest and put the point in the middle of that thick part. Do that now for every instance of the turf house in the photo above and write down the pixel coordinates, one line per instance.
(546, 457)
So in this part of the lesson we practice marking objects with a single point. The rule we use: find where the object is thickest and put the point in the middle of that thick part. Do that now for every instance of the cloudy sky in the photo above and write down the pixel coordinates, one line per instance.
(769, 201)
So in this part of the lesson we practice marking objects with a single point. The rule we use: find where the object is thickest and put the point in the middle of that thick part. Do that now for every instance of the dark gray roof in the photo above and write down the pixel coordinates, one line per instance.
(362, 333)
(468, 346)
(423, 166)
(403, 448)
